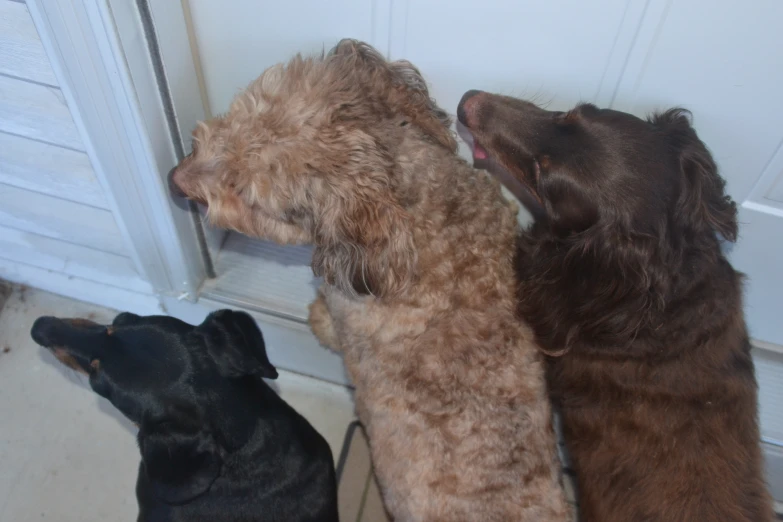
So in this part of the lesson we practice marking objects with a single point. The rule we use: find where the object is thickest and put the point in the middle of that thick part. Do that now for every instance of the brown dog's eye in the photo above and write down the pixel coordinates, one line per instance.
(569, 117)
(537, 166)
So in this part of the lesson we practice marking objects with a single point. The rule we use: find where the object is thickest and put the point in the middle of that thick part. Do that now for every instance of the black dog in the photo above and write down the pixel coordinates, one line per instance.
(217, 444)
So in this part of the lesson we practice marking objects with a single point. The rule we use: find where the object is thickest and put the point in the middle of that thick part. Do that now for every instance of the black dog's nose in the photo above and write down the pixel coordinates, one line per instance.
(465, 109)
(173, 187)
(42, 330)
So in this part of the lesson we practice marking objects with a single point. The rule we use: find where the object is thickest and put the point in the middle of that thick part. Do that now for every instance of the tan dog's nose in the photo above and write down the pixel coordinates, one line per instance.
(173, 187)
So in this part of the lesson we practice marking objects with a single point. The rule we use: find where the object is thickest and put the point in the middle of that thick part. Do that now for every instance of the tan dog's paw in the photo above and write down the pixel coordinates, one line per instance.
(321, 324)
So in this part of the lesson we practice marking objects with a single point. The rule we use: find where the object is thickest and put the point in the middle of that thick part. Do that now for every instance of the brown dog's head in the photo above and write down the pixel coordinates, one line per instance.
(628, 211)
(307, 154)
(589, 166)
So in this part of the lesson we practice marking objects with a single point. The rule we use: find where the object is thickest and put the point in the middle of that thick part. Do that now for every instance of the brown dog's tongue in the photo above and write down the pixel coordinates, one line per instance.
(479, 152)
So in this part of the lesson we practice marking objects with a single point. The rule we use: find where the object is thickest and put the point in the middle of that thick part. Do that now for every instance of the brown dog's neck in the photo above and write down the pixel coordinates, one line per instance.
(624, 300)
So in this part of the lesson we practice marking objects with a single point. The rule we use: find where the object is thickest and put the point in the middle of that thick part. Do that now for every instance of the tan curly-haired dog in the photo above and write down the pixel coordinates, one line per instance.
(348, 152)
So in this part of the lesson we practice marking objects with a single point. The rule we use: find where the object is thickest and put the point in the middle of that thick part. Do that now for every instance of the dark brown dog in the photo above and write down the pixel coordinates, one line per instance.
(623, 280)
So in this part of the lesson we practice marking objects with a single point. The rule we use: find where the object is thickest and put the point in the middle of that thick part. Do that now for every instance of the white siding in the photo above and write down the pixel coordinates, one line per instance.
(70, 259)
(56, 228)
(36, 111)
(49, 169)
(59, 219)
(21, 52)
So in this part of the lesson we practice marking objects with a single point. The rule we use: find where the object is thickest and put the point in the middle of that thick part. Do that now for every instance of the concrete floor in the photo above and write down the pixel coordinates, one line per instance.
(67, 454)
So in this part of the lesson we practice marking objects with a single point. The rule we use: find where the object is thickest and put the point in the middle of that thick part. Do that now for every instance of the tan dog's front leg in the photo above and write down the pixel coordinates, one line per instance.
(321, 324)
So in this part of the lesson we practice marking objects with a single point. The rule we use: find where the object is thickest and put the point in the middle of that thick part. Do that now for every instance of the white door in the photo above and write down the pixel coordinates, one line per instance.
(726, 65)
(228, 44)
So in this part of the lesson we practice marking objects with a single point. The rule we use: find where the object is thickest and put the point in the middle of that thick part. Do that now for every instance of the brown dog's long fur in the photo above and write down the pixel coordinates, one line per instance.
(623, 279)
(348, 152)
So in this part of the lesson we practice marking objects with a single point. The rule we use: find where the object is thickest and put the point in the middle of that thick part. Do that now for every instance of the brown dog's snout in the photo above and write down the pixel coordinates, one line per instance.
(466, 110)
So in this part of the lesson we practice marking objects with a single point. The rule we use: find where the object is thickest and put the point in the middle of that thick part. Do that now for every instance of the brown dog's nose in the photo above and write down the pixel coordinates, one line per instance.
(173, 187)
(466, 109)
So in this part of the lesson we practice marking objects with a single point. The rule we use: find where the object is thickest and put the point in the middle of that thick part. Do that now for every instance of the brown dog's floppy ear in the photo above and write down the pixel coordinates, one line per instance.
(236, 344)
(363, 236)
(179, 458)
(703, 202)
(569, 207)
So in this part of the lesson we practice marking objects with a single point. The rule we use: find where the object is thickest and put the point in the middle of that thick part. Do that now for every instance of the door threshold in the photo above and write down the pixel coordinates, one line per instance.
(265, 277)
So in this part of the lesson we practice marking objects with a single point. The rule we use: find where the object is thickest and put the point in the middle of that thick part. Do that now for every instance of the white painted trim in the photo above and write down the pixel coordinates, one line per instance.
(80, 289)
(769, 347)
(290, 344)
(761, 207)
(178, 53)
(773, 458)
(769, 188)
(398, 29)
(381, 26)
(624, 41)
(179, 56)
(81, 41)
(643, 42)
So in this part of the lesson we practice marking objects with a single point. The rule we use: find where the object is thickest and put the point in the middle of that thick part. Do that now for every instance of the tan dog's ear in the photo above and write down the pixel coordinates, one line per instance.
(412, 97)
(363, 236)
(368, 249)
(402, 87)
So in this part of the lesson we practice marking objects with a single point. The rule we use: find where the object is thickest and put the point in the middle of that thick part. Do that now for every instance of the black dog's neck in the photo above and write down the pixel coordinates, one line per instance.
(275, 429)
(240, 418)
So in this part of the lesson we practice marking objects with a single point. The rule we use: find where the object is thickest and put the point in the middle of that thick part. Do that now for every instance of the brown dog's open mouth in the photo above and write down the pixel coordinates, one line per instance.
(479, 152)
(522, 184)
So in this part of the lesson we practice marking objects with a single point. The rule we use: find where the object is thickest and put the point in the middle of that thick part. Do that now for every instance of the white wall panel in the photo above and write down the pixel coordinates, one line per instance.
(21, 52)
(49, 169)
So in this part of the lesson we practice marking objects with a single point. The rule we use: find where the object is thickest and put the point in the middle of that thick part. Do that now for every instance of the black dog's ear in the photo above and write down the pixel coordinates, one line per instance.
(181, 462)
(125, 319)
(703, 201)
(236, 344)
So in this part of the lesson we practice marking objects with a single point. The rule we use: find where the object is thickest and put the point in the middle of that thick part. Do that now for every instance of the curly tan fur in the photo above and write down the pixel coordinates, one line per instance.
(349, 152)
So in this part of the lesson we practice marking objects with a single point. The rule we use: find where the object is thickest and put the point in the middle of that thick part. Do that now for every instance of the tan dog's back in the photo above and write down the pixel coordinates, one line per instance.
(448, 384)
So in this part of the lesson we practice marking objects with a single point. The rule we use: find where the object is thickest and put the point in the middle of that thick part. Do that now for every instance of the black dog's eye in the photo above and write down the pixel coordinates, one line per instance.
(95, 364)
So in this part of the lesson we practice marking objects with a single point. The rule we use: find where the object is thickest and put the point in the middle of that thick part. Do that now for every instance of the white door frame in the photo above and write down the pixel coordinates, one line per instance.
(129, 114)
(115, 102)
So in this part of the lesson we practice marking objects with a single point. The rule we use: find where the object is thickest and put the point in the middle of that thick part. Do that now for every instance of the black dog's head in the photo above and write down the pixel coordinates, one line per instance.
(627, 212)
(188, 388)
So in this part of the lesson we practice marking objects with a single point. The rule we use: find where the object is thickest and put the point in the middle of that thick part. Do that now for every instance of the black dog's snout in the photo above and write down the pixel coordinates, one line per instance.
(173, 187)
(42, 330)
(462, 112)
(125, 318)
